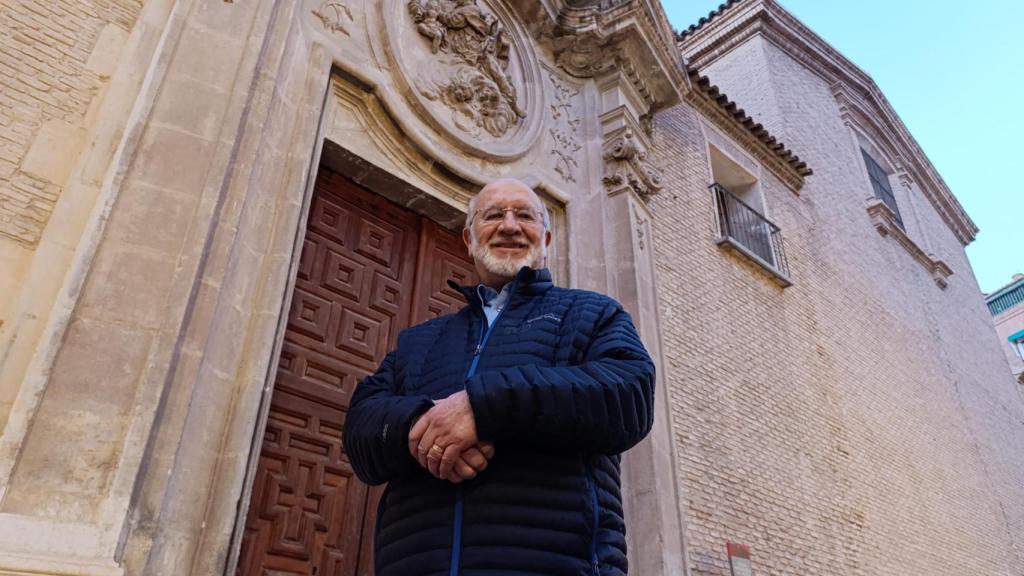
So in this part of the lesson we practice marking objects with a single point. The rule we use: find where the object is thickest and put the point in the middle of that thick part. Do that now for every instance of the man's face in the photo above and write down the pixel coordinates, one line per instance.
(507, 232)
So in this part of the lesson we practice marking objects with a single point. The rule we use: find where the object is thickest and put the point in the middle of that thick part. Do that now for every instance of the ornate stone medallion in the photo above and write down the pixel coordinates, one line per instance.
(469, 70)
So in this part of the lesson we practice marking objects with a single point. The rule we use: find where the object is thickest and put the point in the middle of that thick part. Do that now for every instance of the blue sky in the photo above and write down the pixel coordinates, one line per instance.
(954, 72)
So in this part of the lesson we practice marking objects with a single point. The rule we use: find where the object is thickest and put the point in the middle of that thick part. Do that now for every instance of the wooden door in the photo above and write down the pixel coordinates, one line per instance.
(368, 269)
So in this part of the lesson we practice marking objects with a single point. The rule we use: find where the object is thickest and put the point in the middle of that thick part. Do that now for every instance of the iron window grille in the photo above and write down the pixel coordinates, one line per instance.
(746, 230)
(1006, 300)
(880, 184)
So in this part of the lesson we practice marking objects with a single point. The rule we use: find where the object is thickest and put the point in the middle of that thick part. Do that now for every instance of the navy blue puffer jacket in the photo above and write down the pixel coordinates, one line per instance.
(561, 384)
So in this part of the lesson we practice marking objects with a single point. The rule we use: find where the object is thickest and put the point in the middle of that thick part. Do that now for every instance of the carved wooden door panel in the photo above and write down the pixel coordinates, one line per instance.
(442, 257)
(368, 269)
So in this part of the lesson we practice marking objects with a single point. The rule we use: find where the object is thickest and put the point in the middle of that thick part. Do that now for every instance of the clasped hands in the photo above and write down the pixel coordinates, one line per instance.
(443, 440)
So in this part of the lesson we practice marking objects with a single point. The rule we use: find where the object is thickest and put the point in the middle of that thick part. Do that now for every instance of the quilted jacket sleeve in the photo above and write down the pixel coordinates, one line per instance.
(604, 404)
(377, 426)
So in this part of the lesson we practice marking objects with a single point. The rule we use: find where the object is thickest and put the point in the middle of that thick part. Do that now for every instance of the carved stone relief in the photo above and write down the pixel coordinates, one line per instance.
(468, 68)
(332, 15)
(565, 124)
(480, 93)
(583, 56)
(566, 146)
(641, 230)
(626, 166)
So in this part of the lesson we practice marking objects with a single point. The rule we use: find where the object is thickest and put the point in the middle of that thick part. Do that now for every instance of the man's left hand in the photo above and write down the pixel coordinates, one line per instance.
(441, 434)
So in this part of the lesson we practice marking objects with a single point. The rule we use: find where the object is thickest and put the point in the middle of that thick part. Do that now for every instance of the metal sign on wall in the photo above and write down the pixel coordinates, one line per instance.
(739, 559)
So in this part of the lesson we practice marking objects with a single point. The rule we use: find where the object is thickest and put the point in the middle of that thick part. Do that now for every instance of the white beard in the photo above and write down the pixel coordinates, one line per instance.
(506, 267)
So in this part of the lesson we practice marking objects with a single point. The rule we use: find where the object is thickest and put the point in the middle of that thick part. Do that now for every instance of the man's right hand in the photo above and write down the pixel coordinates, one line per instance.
(471, 462)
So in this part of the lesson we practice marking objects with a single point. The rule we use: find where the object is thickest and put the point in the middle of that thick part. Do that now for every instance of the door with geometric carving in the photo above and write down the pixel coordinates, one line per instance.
(368, 269)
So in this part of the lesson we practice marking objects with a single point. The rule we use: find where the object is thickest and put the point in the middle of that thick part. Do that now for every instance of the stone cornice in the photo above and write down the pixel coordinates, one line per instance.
(768, 19)
(865, 114)
(752, 136)
(885, 222)
(591, 38)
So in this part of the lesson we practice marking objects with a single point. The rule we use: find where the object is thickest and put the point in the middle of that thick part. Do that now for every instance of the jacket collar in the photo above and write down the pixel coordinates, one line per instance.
(527, 282)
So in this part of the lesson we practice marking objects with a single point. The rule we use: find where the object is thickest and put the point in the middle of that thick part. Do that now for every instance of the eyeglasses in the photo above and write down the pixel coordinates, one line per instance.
(495, 214)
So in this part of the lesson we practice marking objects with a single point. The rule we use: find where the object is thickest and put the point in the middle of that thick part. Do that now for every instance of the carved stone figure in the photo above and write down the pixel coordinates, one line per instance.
(473, 41)
(427, 23)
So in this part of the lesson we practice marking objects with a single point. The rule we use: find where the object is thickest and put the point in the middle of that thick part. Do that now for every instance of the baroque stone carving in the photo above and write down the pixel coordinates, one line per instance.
(641, 230)
(331, 15)
(563, 134)
(583, 56)
(566, 147)
(480, 92)
(626, 166)
(563, 101)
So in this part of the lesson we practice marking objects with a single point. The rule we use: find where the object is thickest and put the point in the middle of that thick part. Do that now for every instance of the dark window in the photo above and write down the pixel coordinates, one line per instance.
(880, 182)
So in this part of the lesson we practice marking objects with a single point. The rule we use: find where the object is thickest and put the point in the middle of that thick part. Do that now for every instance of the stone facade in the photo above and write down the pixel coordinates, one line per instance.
(143, 331)
(158, 163)
(57, 60)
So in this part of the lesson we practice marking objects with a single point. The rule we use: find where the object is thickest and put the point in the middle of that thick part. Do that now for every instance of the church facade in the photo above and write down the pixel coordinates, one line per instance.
(216, 216)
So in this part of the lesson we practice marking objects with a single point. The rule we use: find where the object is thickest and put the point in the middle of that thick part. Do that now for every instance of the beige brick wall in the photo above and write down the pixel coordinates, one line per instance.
(49, 78)
(860, 422)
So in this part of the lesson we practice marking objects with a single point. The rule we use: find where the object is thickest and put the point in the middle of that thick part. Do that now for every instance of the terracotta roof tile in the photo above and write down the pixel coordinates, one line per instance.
(703, 83)
(711, 16)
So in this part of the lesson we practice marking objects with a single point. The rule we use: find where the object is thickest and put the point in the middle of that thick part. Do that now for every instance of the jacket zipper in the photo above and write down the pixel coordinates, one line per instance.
(592, 485)
(457, 533)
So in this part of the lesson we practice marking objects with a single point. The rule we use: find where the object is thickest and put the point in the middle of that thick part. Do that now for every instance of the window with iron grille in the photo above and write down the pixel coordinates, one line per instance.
(880, 184)
(740, 215)
(745, 228)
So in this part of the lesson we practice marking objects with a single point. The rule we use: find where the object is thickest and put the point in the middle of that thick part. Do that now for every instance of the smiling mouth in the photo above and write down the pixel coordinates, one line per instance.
(509, 245)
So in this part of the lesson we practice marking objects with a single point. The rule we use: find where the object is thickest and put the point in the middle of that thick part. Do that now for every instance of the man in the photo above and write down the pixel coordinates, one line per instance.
(498, 428)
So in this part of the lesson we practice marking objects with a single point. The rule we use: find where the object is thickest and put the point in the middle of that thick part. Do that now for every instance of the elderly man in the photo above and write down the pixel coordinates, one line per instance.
(499, 428)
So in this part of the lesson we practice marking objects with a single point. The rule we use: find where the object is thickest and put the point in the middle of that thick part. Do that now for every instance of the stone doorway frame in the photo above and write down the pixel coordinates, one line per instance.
(340, 159)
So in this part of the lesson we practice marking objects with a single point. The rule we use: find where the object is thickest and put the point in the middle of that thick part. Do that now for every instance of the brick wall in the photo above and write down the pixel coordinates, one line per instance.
(49, 77)
(860, 422)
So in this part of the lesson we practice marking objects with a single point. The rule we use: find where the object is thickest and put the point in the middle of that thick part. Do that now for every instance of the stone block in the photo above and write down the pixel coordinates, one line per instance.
(129, 285)
(54, 151)
(153, 218)
(176, 108)
(71, 452)
(14, 261)
(173, 160)
(208, 56)
(107, 50)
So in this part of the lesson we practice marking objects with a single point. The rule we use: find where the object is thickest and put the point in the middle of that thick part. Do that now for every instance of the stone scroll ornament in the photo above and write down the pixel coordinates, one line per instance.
(332, 15)
(473, 43)
(626, 165)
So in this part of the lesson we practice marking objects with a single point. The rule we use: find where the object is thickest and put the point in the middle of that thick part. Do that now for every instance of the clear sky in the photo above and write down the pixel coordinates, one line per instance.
(954, 72)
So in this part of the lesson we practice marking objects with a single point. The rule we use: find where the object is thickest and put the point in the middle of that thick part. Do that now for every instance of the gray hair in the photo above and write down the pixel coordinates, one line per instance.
(471, 209)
